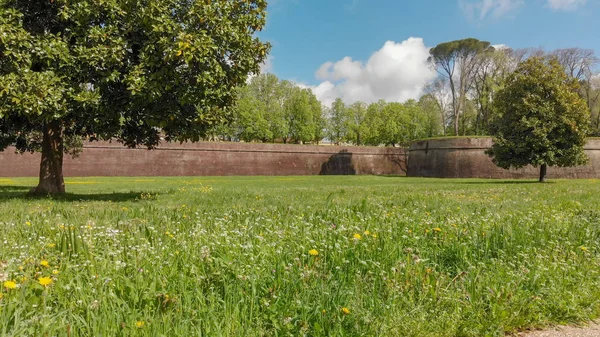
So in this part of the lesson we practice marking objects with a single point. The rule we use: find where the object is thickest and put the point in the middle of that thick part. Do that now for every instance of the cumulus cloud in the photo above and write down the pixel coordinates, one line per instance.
(396, 72)
(267, 66)
(483, 9)
(565, 5)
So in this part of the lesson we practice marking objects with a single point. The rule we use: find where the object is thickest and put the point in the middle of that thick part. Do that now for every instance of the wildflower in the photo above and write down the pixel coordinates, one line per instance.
(323, 311)
(313, 252)
(345, 310)
(374, 236)
(357, 236)
(44, 263)
(10, 284)
(55, 272)
(583, 248)
(140, 324)
(28, 223)
(45, 281)
(437, 229)
(367, 233)
(52, 245)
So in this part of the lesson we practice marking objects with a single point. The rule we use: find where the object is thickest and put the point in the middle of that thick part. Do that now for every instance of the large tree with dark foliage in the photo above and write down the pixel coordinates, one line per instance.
(131, 70)
(539, 118)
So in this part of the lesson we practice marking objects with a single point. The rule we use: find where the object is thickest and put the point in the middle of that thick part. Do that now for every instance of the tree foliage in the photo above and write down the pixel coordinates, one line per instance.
(126, 69)
(540, 119)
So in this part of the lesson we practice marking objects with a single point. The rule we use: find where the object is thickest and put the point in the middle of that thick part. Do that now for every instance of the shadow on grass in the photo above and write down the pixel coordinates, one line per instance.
(11, 192)
(478, 181)
(505, 182)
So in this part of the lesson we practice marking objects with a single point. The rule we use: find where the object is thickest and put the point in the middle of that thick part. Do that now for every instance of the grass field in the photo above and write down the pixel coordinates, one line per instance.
(291, 256)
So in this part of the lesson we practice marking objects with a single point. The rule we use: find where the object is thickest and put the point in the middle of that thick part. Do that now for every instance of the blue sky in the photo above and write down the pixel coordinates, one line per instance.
(306, 34)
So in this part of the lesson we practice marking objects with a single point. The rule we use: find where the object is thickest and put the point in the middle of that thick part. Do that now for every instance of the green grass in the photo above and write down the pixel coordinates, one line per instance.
(229, 256)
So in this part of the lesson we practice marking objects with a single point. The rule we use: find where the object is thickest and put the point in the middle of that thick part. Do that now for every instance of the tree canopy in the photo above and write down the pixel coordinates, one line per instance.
(129, 70)
(540, 119)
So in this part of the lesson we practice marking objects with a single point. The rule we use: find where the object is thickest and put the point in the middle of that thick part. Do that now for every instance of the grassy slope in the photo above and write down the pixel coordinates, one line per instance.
(228, 256)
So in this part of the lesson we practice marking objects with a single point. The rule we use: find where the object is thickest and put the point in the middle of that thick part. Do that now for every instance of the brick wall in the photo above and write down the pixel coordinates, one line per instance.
(466, 158)
(215, 159)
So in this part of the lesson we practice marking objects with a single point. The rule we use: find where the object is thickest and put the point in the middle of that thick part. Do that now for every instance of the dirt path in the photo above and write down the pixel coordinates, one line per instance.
(592, 330)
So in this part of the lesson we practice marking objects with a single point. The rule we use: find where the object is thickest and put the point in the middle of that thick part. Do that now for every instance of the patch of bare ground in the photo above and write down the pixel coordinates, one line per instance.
(591, 330)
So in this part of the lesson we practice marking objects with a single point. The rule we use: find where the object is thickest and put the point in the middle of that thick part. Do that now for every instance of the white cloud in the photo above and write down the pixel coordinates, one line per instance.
(500, 46)
(267, 66)
(483, 9)
(565, 5)
(396, 72)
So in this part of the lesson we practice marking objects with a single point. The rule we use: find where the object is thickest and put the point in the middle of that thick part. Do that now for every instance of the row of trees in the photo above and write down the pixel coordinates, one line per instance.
(458, 102)
(471, 73)
(271, 110)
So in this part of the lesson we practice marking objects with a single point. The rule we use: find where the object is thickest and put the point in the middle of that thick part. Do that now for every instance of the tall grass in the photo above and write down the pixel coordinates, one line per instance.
(289, 256)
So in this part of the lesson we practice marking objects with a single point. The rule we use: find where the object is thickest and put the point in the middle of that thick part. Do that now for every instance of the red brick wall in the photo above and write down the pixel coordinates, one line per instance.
(215, 159)
(466, 158)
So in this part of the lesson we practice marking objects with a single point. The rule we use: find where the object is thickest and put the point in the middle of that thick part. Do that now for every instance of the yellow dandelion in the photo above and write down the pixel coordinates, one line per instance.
(52, 245)
(374, 235)
(10, 284)
(357, 236)
(583, 248)
(44, 263)
(437, 229)
(55, 272)
(45, 281)
(140, 324)
(313, 252)
(367, 233)
(28, 223)
(345, 310)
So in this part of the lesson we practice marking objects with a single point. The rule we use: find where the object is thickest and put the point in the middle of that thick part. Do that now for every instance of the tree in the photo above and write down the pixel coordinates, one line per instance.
(577, 63)
(457, 61)
(580, 64)
(301, 114)
(129, 70)
(438, 94)
(492, 68)
(319, 120)
(357, 112)
(540, 119)
(272, 94)
(249, 122)
(431, 110)
(338, 122)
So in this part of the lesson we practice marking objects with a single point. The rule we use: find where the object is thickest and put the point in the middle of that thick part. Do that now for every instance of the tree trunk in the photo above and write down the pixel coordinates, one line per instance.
(543, 173)
(51, 173)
